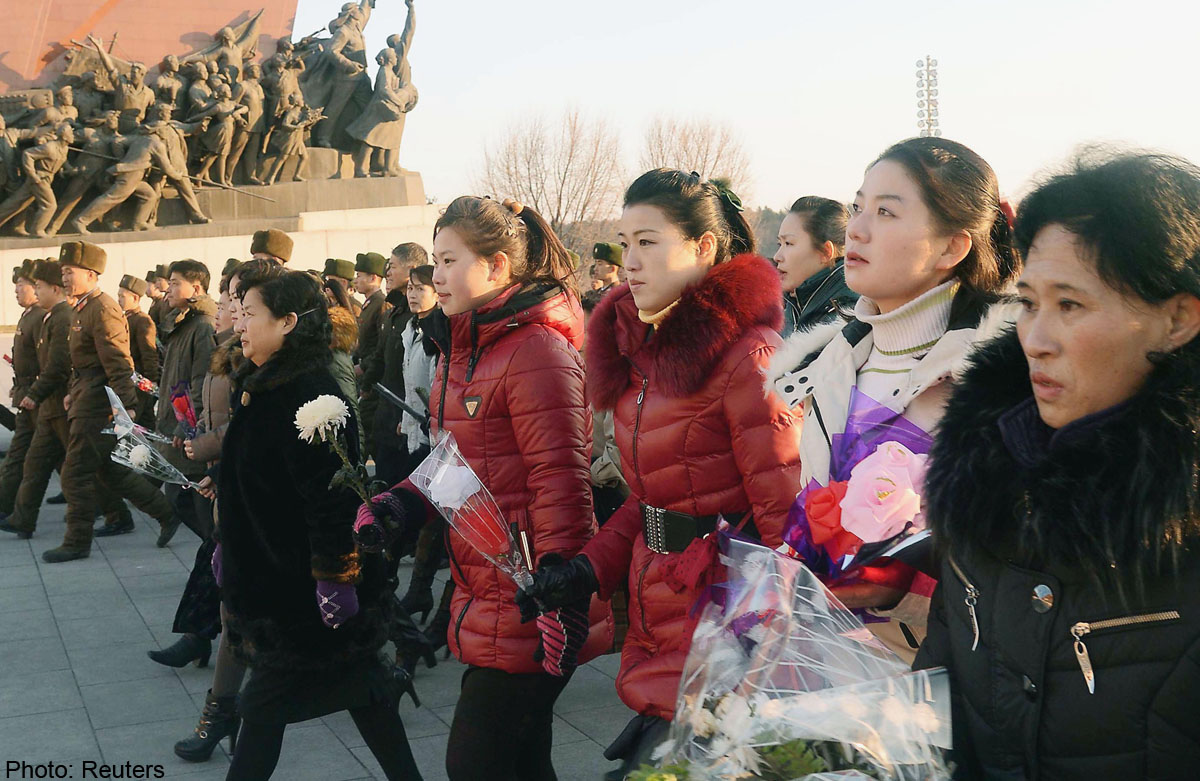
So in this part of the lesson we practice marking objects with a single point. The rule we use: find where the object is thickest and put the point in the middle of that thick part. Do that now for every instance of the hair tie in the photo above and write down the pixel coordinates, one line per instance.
(1006, 208)
(516, 207)
(729, 197)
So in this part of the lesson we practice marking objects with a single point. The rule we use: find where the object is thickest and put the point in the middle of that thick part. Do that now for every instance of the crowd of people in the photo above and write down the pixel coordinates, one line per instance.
(1045, 353)
(110, 136)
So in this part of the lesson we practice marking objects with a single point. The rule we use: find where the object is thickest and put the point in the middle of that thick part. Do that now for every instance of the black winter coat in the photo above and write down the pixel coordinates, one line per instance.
(283, 528)
(387, 367)
(1049, 535)
(819, 299)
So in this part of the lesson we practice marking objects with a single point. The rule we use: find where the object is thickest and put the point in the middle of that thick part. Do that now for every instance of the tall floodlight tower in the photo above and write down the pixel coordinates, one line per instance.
(927, 97)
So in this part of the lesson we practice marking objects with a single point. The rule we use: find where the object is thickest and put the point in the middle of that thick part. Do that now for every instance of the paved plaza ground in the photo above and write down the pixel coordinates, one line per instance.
(76, 685)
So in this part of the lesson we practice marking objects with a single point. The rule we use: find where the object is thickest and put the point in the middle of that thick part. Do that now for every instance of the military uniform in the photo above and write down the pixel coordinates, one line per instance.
(99, 346)
(25, 370)
(143, 349)
(49, 443)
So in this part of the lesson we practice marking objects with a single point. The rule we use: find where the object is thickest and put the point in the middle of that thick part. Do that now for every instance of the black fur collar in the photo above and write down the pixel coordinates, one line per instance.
(1122, 490)
(283, 367)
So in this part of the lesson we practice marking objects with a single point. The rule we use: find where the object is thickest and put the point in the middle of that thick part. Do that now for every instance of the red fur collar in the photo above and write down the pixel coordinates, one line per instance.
(736, 295)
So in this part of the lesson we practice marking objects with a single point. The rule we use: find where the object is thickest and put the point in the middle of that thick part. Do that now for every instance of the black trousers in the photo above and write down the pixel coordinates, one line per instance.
(503, 726)
(379, 724)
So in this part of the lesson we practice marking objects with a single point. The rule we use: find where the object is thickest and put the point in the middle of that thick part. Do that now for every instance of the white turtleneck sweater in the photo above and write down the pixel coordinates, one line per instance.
(901, 338)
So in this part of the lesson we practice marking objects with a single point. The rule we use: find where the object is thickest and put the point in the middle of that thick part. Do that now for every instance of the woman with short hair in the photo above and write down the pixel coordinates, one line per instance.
(1062, 491)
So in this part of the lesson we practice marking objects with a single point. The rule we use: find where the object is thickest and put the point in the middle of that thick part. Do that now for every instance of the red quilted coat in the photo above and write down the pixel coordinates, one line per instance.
(697, 435)
(512, 393)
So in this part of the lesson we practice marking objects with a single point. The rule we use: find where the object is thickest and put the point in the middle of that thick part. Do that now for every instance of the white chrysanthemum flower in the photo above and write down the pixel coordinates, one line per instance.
(321, 417)
(703, 722)
(926, 717)
(734, 718)
(895, 711)
(139, 456)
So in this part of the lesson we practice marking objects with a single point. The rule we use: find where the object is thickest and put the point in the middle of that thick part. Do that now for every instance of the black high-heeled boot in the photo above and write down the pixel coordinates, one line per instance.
(404, 684)
(411, 642)
(219, 719)
(435, 633)
(430, 548)
(186, 649)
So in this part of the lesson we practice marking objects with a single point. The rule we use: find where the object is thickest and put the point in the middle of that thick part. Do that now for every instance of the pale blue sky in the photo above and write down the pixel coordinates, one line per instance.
(814, 89)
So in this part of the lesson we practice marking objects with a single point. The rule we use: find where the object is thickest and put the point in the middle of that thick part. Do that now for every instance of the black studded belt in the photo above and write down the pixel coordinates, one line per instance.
(667, 531)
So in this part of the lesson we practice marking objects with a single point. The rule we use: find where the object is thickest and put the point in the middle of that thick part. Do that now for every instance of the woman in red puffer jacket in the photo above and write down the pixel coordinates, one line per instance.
(510, 387)
(678, 354)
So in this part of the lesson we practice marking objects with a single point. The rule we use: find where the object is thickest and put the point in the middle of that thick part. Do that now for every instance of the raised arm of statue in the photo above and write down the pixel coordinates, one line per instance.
(404, 42)
(109, 66)
(365, 7)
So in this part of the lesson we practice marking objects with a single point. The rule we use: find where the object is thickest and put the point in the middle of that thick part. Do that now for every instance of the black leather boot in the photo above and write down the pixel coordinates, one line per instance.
(430, 549)
(219, 719)
(411, 643)
(185, 650)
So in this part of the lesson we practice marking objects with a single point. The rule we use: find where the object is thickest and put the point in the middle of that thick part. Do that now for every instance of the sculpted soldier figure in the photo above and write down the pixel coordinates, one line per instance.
(144, 149)
(217, 140)
(169, 87)
(248, 130)
(339, 74)
(130, 94)
(88, 100)
(174, 135)
(40, 164)
(86, 171)
(227, 53)
(281, 79)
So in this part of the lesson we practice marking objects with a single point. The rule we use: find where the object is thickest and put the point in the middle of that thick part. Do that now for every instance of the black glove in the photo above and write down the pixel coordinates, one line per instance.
(556, 584)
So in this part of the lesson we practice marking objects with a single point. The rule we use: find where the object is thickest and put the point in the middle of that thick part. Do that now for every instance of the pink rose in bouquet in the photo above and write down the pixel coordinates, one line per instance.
(883, 496)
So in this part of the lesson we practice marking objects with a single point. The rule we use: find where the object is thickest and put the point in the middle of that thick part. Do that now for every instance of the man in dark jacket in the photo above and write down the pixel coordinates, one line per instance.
(189, 338)
(387, 365)
(25, 370)
(143, 343)
(44, 399)
(99, 346)
(368, 281)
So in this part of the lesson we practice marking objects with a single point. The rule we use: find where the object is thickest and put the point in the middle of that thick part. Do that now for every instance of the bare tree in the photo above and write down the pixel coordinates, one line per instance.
(570, 173)
(699, 145)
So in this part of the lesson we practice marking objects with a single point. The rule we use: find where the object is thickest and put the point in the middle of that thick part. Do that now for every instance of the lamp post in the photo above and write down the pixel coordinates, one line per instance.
(927, 98)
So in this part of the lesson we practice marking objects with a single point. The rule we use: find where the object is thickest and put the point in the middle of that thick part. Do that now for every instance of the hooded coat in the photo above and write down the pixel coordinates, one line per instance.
(1054, 529)
(510, 388)
(698, 435)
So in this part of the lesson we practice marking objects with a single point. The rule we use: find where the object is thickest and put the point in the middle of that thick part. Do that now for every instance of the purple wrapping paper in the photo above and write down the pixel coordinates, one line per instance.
(868, 424)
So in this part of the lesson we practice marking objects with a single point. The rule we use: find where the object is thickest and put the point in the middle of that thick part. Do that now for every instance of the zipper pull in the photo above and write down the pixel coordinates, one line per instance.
(642, 394)
(972, 600)
(1081, 654)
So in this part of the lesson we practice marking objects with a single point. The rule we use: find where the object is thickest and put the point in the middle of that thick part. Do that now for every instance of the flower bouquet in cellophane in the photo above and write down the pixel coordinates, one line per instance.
(451, 485)
(782, 682)
(135, 452)
(122, 423)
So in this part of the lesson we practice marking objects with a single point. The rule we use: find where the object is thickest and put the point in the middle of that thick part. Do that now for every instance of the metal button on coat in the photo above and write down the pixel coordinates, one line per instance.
(1043, 598)
(1029, 686)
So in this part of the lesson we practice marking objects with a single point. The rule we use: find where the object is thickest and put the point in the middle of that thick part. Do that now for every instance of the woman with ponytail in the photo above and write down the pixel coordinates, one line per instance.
(929, 250)
(509, 386)
(678, 354)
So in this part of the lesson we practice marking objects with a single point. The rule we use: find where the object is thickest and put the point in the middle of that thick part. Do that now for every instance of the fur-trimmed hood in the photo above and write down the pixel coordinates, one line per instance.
(711, 316)
(227, 356)
(345, 329)
(1117, 494)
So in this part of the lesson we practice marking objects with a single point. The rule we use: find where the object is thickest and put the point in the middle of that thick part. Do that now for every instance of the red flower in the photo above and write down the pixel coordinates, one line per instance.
(823, 507)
